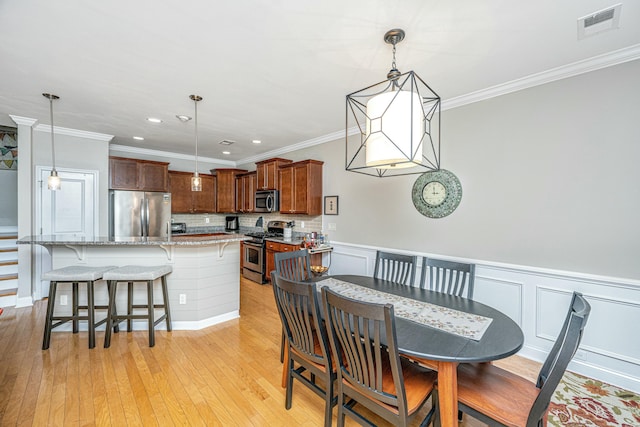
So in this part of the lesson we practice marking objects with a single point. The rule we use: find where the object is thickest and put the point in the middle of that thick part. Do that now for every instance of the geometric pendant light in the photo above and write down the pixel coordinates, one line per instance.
(53, 182)
(196, 181)
(393, 127)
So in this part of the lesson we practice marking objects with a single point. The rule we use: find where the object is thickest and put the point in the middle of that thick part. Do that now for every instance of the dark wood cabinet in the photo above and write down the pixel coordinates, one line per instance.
(301, 187)
(183, 200)
(134, 174)
(226, 189)
(267, 170)
(246, 191)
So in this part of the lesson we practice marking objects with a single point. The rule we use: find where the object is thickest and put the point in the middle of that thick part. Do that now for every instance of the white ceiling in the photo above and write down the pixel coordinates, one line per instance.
(274, 70)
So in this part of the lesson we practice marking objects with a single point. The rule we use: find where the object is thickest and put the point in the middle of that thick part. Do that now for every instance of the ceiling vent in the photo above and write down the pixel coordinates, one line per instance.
(226, 142)
(597, 22)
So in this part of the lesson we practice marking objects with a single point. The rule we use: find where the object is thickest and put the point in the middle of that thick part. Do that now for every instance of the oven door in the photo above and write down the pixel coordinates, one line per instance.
(253, 261)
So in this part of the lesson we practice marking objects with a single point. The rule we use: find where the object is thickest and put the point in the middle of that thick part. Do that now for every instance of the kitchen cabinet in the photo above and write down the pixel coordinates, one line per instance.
(246, 191)
(268, 173)
(134, 174)
(183, 200)
(301, 187)
(226, 189)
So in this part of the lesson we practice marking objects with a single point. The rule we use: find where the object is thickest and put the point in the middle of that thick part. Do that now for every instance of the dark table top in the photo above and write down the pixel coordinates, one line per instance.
(503, 337)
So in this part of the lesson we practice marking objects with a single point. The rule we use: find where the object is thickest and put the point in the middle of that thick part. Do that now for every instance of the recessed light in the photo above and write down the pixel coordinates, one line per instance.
(154, 120)
(138, 138)
(183, 118)
(256, 141)
(226, 152)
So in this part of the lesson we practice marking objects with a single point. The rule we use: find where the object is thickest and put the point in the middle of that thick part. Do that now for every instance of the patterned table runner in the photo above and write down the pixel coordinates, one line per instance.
(446, 319)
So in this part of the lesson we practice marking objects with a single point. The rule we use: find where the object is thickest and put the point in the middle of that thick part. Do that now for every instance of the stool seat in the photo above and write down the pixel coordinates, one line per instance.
(73, 274)
(133, 273)
(76, 273)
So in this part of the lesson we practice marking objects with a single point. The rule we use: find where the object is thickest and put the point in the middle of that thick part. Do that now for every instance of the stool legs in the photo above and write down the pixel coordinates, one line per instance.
(75, 313)
(114, 318)
(152, 335)
(165, 295)
(46, 340)
(74, 305)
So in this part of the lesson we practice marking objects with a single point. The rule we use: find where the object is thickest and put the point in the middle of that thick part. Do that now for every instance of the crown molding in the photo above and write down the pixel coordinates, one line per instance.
(24, 121)
(609, 59)
(167, 154)
(74, 132)
(298, 146)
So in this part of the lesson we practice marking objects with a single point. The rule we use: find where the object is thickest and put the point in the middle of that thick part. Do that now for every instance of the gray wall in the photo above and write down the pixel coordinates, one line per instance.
(78, 153)
(8, 197)
(549, 180)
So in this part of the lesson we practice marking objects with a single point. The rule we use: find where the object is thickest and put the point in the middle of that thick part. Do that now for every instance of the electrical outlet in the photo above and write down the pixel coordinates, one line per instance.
(301, 224)
(206, 220)
(63, 300)
(331, 226)
(183, 298)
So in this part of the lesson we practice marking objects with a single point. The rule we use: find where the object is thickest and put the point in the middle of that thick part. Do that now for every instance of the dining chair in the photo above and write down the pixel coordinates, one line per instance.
(500, 398)
(306, 339)
(455, 278)
(395, 267)
(368, 372)
(295, 266)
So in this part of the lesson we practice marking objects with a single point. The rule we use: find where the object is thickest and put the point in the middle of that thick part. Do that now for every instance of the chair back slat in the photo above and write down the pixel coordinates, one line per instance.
(454, 278)
(298, 307)
(395, 267)
(357, 331)
(560, 355)
(293, 265)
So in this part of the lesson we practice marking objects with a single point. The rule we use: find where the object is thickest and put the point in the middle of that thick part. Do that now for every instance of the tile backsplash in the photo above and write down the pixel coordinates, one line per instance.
(311, 223)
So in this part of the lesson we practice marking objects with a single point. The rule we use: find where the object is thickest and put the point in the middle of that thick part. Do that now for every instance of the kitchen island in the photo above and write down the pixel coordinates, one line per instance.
(204, 287)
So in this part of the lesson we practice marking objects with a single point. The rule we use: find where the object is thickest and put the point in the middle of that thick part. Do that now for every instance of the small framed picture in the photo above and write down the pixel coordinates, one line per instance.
(331, 205)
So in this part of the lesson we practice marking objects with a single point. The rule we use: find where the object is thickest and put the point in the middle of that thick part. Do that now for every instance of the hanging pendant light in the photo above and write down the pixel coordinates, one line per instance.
(53, 182)
(394, 132)
(196, 181)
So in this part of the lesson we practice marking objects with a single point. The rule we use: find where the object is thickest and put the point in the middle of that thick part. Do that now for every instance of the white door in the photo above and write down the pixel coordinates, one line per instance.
(68, 212)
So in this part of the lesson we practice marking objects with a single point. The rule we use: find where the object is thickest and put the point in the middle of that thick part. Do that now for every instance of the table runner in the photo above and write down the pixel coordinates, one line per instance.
(456, 322)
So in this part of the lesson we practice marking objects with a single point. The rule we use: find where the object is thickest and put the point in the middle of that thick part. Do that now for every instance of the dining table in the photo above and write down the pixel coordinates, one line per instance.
(436, 347)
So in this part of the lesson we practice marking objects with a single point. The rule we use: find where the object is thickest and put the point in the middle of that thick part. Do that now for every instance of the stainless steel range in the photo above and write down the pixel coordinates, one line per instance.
(254, 256)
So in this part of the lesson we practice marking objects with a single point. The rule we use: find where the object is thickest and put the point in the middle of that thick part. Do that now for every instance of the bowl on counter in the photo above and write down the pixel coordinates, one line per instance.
(318, 270)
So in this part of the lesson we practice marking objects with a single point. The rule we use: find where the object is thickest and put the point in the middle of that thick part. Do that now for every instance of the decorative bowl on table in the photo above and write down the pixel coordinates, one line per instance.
(318, 270)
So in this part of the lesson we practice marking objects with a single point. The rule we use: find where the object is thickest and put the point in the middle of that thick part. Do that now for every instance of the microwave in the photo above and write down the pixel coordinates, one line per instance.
(267, 201)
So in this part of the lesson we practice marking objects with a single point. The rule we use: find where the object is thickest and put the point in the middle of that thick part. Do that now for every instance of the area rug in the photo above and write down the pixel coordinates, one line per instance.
(582, 401)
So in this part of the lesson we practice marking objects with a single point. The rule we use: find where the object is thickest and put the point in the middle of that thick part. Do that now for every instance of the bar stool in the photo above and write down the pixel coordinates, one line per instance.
(74, 274)
(132, 274)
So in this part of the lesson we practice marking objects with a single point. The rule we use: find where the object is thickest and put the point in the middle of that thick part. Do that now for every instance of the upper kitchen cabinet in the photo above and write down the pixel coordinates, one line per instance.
(226, 189)
(183, 200)
(134, 174)
(246, 191)
(301, 187)
(268, 173)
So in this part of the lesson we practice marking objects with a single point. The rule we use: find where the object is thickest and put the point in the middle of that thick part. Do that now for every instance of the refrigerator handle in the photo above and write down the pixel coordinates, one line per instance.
(142, 218)
(146, 220)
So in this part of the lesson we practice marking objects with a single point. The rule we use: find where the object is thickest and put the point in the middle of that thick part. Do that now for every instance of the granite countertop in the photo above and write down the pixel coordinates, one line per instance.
(176, 240)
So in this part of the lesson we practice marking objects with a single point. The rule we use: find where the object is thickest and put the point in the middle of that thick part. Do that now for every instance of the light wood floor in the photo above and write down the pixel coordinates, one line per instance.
(225, 375)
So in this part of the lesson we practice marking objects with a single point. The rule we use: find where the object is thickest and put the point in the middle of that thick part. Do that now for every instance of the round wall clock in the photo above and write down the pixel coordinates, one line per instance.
(436, 194)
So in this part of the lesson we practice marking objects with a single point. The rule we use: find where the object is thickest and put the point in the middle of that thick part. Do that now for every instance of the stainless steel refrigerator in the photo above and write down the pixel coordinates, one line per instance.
(139, 214)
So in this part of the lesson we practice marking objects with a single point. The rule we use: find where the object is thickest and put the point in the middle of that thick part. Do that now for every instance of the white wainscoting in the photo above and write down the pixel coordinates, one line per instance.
(537, 299)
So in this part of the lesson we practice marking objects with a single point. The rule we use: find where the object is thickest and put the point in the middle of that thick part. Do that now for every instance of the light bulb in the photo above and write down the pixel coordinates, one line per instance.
(53, 182)
(196, 182)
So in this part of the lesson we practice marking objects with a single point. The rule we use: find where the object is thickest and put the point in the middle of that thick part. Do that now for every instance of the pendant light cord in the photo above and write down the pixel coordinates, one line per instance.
(196, 122)
(53, 147)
